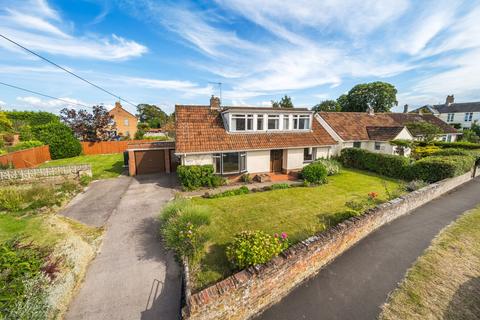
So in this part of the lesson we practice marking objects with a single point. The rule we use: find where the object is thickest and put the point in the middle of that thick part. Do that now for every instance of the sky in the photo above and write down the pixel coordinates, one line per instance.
(174, 52)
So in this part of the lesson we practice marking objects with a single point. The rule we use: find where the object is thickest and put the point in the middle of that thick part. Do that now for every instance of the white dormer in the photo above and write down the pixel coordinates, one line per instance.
(247, 120)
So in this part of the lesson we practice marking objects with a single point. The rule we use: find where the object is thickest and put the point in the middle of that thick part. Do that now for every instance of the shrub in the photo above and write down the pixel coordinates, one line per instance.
(415, 185)
(278, 186)
(315, 173)
(460, 145)
(229, 193)
(436, 168)
(254, 247)
(246, 178)
(60, 139)
(181, 223)
(426, 151)
(194, 177)
(32, 118)
(85, 180)
(452, 152)
(332, 166)
(26, 145)
(384, 164)
(11, 199)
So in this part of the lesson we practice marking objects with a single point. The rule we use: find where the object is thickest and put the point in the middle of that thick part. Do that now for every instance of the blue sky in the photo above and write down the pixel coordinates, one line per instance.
(168, 52)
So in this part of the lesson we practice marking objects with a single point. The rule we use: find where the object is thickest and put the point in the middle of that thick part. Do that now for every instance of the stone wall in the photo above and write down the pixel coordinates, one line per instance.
(249, 292)
(31, 174)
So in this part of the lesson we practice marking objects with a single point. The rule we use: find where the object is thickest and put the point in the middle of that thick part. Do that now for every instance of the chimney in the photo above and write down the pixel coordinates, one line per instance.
(117, 104)
(450, 99)
(214, 103)
(405, 108)
(370, 110)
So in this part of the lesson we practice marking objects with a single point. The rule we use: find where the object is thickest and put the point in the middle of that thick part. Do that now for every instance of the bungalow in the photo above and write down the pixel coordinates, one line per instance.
(236, 140)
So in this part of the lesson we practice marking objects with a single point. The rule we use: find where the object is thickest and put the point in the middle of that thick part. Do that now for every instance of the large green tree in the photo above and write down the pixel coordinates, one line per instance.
(327, 105)
(285, 102)
(427, 131)
(381, 96)
(151, 115)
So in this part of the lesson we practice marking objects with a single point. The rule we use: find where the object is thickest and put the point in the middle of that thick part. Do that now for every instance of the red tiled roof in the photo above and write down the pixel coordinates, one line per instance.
(353, 125)
(200, 129)
(383, 133)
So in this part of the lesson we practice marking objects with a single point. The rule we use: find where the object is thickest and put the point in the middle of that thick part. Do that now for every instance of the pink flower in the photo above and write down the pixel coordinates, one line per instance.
(284, 235)
(276, 235)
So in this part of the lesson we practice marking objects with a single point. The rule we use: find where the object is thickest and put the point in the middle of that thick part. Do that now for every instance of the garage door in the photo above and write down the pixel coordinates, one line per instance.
(150, 161)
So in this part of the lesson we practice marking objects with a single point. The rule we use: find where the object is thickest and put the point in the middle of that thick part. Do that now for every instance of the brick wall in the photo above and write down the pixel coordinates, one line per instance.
(31, 174)
(248, 292)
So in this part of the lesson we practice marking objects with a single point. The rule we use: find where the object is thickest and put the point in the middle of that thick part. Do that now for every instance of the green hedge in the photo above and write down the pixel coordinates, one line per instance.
(60, 139)
(26, 145)
(460, 144)
(32, 118)
(194, 177)
(384, 164)
(431, 169)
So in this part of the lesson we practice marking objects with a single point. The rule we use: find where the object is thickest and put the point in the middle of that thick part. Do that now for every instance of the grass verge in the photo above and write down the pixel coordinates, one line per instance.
(444, 283)
(104, 166)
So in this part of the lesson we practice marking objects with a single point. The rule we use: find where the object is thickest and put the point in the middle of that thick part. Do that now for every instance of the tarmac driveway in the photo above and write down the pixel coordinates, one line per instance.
(133, 277)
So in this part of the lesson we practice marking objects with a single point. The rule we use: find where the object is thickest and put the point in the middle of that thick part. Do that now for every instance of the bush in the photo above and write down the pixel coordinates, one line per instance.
(315, 173)
(426, 151)
(452, 152)
(229, 193)
(85, 180)
(278, 186)
(246, 178)
(332, 166)
(459, 145)
(194, 177)
(26, 145)
(254, 247)
(60, 139)
(436, 168)
(32, 118)
(384, 164)
(181, 223)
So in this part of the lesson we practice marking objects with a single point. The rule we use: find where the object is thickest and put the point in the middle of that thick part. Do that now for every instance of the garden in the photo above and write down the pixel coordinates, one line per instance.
(42, 255)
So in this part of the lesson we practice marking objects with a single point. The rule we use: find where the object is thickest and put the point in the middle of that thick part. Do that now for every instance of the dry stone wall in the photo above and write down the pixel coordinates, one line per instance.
(32, 174)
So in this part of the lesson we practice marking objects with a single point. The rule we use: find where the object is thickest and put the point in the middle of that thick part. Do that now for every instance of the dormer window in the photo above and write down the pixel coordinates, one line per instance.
(286, 122)
(259, 121)
(301, 122)
(273, 122)
(242, 122)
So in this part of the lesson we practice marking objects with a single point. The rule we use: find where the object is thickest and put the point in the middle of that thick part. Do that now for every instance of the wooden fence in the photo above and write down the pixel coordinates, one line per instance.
(27, 158)
(106, 147)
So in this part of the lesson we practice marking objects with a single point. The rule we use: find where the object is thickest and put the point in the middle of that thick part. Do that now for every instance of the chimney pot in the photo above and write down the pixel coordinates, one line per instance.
(117, 104)
(450, 99)
(214, 103)
(405, 108)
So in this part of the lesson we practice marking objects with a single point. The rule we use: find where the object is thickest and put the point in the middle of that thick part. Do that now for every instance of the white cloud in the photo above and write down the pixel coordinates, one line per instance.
(49, 104)
(40, 28)
(2, 103)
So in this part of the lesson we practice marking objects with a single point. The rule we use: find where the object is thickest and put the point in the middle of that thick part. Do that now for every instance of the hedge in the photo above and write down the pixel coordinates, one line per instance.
(196, 176)
(460, 144)
(384, 164)
(32, 118)
(431, 169)
(60, 139)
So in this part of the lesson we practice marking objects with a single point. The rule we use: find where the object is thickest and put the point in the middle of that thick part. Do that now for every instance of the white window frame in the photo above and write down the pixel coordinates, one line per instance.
(259, 117)
(247, 117)
(312, 152)
(125, 122)
(450, 117)
(286, 120)
(273, 117)
(468, 116)
(296, 121)
(242, 163)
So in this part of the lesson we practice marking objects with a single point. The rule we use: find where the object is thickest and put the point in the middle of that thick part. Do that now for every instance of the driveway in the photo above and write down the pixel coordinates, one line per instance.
(133, 277)
(356, 284)
(97, 203)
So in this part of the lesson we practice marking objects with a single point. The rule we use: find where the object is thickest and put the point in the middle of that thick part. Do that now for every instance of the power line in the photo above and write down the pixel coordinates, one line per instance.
(43, 95)
(66, 70)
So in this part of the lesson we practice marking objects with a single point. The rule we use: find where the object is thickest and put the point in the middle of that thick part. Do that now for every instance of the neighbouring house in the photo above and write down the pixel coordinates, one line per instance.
(368, 131)
(237, 140)
(125, 122)
(168, 130)
(459, 114)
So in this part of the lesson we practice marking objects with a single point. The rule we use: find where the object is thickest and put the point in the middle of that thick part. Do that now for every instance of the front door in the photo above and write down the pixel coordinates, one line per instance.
(276, 157)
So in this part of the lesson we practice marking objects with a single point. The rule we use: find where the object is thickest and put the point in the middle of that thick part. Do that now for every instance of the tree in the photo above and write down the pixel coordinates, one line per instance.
(5, 123)
(141, 128)
(95, 126)
(59, 137)
(427, 131)
(285, 102)
(151, 115)
(470, 136)
(380, 95)
(327, 105)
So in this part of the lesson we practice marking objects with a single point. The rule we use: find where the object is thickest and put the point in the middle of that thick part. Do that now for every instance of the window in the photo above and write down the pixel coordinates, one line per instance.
(449, 138)
(286, 122)
(307, 154)
(260, 122)
(125, 121)
(378, 145)
(301, 122)
(468, 116)
(357, 144)
(273, 122)
(450, 117)
(228, 163)
(242, 122)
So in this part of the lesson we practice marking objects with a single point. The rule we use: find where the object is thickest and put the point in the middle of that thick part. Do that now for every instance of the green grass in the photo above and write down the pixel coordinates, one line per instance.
(300, 212)
(103, 165)
(444, 283)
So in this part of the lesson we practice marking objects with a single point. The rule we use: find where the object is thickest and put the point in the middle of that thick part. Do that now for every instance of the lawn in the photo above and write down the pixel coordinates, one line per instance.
(300, 212)
(103, 165)
(444, 283)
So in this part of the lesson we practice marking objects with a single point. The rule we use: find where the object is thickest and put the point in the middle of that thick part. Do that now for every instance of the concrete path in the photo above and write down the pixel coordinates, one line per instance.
(97, 203)
(356, 284)
(132, 277)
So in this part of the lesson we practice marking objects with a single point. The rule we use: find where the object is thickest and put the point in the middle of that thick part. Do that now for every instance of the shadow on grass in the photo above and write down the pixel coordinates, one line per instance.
(465, 303)
(215, 266)
(117, 168)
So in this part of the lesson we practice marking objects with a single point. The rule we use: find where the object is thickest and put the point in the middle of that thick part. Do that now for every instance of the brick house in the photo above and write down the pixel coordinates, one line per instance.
(125, 122)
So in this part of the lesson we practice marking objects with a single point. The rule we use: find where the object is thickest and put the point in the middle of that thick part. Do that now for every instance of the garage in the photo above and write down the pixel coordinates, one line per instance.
(150, 161)
(151, 157)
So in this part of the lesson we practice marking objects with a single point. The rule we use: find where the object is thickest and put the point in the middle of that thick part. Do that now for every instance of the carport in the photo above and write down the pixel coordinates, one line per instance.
(151, 157)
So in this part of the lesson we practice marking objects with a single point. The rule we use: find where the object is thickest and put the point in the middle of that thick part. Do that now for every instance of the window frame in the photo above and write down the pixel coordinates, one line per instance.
(312, 154)
(357, 144)
(296, 121)
(377, 146)
(260, 120)
(218, 160)
(126, 122)
(468, 116)
(273, 117)
(450, 117)
(246, 117)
